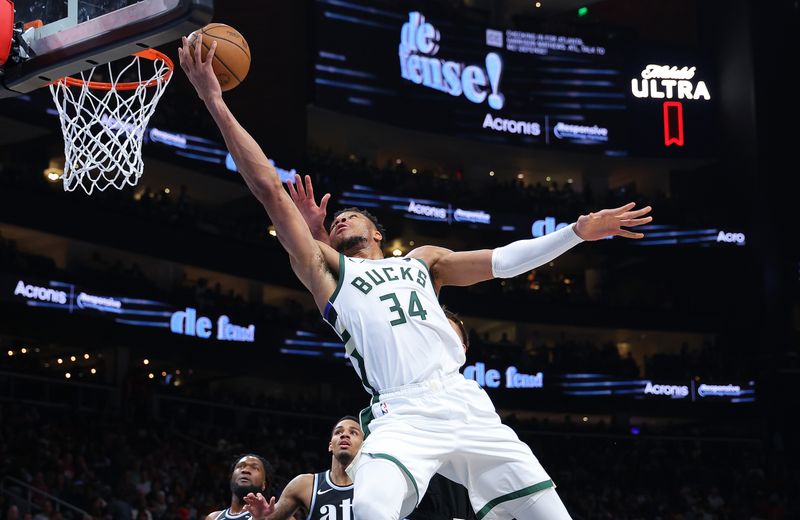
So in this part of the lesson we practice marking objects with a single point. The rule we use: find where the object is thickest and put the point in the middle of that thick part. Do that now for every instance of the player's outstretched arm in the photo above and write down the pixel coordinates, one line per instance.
(470, 267)
(296, 494)
(309, 258)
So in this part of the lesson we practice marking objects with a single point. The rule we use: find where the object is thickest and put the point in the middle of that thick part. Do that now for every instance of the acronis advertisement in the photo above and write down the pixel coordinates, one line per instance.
(73, 299)
(420, 66)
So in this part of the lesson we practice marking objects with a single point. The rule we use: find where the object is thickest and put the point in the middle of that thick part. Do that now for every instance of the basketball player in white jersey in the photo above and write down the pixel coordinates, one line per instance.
(248, 476)
(323, 496)
(424, 416)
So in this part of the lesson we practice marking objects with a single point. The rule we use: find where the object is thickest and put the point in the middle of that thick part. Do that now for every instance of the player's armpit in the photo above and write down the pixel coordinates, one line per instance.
(318, 272)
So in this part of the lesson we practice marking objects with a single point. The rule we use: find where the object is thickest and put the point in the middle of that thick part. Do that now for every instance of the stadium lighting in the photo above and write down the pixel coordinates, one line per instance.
(93, 371)
(54, 170)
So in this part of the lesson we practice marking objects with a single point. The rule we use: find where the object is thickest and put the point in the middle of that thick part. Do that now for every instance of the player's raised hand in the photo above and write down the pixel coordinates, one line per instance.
(199, 71)
(303, 197)
(258, 506)
(610, 222)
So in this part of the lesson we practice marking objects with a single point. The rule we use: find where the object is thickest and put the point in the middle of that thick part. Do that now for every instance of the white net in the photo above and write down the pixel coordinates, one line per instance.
(104, 123)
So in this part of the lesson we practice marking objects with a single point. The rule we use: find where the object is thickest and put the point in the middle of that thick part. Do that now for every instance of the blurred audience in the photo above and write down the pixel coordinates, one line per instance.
(177, 470)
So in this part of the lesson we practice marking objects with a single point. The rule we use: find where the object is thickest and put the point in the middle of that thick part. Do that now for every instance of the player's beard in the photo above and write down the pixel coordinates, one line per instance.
(243, 491)
(344, 458)
(350, 243)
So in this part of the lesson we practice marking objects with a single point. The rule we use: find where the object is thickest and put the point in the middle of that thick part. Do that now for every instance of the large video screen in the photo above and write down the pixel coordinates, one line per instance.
(418, 68)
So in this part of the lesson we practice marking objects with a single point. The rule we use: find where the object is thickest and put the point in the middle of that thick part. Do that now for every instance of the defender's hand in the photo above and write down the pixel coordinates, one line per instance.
(258, 506)
(303, 198)
(609, 222)
(200, 72)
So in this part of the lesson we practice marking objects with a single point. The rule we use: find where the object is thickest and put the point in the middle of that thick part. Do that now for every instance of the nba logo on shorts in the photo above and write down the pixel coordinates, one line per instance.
(384, 408)
(494, 38)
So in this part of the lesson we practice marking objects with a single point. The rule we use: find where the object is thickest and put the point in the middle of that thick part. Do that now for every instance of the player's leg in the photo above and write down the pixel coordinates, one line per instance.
(544, 505)
(399, 440)
(500, 472)
(380, 489)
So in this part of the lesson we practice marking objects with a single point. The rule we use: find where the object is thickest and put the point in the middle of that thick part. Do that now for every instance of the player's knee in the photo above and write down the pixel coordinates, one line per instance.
(379, 491)
(545, 505)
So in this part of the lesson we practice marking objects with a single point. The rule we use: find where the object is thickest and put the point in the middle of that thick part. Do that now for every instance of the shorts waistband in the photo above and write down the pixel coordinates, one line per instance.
(433, 384)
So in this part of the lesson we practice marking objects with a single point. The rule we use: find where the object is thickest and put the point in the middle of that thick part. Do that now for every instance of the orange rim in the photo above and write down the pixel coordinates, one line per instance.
(149, 54)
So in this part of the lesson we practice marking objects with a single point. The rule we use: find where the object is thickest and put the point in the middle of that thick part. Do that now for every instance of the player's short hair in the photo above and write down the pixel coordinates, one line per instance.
(264, 462)
(455, 318)
(346, 418)
(372, 218)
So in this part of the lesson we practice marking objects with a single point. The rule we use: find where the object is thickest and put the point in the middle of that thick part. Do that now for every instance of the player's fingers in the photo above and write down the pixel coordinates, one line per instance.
(180, 58)
(292, 190)
(323, 204)
(211, 52)
(183, 55)
(638, 213)
(298, 185)
(633, 222)
(309, 188)
(623, 209)
(198, 44)
(629, 234)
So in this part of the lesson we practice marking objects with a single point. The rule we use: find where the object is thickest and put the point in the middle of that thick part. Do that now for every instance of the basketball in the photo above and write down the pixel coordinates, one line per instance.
(232, 57)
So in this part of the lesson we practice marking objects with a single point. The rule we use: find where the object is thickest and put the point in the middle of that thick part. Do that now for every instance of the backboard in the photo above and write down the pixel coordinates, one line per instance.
(57, 38)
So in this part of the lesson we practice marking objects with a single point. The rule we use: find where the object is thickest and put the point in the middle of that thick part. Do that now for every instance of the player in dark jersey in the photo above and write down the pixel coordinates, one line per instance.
(248, 475)
(324, 496)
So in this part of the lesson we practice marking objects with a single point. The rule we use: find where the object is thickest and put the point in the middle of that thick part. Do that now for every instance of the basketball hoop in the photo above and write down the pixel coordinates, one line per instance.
(104, 121)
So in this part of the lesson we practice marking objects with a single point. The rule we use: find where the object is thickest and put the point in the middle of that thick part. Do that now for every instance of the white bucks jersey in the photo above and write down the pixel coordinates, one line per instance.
(395, 332)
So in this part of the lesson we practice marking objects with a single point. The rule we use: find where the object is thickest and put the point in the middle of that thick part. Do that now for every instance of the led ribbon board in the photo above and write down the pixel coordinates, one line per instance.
(426, 71)
(138, 312)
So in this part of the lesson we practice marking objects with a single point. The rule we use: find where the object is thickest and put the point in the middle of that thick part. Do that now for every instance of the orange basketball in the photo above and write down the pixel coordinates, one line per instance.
(232, 57)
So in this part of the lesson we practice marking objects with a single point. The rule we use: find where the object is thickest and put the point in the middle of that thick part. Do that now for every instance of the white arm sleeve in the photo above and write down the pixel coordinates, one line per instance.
(523, 255)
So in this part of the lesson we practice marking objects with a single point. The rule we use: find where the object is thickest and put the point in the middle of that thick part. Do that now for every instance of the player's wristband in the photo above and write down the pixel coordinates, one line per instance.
(523, 255)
